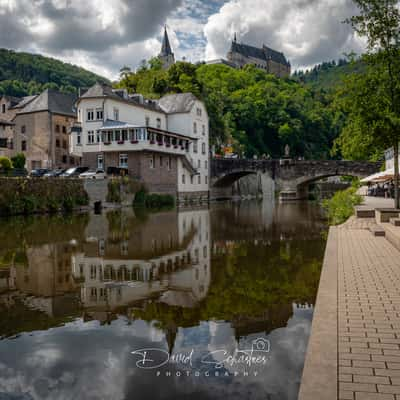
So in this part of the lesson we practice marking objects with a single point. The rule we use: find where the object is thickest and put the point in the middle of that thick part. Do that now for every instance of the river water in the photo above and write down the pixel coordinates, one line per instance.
(202, 304)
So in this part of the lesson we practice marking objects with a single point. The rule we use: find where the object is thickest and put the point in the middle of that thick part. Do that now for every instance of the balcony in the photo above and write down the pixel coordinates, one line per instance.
(117, 136)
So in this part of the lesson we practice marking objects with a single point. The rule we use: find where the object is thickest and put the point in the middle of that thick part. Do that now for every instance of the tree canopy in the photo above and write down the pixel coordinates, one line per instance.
(255, 112)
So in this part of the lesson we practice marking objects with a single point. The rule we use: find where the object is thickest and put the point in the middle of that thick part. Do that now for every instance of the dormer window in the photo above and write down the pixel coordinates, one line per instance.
(198, 111)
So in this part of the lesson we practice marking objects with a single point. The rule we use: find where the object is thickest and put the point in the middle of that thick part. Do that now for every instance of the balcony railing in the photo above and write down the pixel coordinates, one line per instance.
(144, 135)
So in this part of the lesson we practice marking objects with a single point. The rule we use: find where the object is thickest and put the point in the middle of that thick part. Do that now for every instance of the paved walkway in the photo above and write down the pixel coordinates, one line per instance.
(354, 349)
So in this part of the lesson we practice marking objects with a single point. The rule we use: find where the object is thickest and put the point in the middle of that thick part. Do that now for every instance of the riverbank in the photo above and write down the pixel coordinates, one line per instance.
(354, 348)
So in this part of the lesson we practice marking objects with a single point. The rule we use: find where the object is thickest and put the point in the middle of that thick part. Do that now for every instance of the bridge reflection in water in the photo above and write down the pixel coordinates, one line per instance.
(198, 279)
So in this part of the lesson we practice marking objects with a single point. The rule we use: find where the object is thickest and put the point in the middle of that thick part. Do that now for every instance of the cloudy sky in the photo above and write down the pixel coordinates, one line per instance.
(103, 35)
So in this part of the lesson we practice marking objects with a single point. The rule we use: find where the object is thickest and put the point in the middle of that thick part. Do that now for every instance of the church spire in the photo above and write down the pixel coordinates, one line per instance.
(166, 55)
(166, 47)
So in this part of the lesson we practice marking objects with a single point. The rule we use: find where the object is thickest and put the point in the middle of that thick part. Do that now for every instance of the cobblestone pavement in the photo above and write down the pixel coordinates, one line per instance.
(368, 315)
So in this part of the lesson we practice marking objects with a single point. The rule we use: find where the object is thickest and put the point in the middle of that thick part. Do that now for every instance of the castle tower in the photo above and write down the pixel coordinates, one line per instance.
(166, 55)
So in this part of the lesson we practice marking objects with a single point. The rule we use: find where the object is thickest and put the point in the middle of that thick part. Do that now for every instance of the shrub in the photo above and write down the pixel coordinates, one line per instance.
(5, 164)
(153, 200)
(18, 161)
(341, 206)
(114, 191)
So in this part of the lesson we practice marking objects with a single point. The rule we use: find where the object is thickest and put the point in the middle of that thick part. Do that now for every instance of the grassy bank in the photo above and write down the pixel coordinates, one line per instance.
(23, 196)
(153, 200)
(341, 206)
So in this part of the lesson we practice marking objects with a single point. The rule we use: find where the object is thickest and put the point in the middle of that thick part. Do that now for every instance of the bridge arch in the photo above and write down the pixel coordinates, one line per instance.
(228, 179)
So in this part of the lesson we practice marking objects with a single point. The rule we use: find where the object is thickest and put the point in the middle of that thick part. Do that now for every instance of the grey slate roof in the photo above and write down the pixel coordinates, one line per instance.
(177, 103)
(12, 99)
(99, 90)
(103, 90)
(166, 47)
(24, 101)
(53, 101)
(264, 53)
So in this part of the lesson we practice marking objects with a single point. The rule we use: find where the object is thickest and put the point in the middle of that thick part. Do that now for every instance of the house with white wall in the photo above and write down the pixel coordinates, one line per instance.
(163, 143)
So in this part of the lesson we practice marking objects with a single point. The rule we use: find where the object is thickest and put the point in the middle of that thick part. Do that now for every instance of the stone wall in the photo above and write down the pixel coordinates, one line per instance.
(28, 196)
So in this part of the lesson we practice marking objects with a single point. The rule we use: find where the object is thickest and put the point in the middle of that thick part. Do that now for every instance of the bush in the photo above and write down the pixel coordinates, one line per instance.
(18, 161)
(114, 191)
(5, 164)
(143, 199)
(341, 206)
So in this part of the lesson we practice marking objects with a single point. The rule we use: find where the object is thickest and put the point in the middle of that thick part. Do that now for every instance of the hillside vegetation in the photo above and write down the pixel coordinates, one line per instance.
(257, 113)
(328, 75)
(23, 74)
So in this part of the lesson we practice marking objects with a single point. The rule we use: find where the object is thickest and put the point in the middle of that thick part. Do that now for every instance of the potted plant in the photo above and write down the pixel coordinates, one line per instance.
(134, 141)
(121, 141)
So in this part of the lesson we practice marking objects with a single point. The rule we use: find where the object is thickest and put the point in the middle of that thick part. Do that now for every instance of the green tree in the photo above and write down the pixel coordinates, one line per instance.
(5, 164)
(18, 161)
(373, 99)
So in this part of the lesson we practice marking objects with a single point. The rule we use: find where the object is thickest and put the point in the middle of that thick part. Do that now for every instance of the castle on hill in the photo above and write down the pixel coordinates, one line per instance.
(239, 55)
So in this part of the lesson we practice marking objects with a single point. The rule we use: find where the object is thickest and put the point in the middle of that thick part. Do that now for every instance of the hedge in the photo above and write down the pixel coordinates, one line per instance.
(37, 195)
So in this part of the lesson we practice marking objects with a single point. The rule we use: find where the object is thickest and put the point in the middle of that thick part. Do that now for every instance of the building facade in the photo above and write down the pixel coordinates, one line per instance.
(42, 130)
(39, 127)
(162, 143)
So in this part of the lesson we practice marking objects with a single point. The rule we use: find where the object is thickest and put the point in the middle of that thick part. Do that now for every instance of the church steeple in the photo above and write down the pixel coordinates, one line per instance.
(166, 55)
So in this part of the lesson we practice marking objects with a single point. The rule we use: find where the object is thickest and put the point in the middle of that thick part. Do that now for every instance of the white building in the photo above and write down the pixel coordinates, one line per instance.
(163, 143)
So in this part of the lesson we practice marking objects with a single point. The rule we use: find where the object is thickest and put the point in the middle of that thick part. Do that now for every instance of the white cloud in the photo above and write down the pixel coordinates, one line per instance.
(307, 31)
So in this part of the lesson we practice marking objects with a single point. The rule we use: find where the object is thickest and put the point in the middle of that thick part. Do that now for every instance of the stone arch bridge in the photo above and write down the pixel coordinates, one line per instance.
(291, 177)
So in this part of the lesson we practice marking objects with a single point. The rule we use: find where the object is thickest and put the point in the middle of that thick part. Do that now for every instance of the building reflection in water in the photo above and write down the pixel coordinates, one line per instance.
(166, 259)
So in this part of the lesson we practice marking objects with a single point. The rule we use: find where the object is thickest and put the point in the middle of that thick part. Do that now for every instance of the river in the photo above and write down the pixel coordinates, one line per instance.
(202, 304)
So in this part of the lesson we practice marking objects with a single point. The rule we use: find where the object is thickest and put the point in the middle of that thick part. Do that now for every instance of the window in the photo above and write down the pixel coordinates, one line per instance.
(57, 142)
(159, 123)
(198, 164)
(191, 179)
(206, 180)
(147, 121)
(89, 115)
(64, 129)
(78, 139)
(90, 137)
(11, 144)
(198, 111)
(123, 160)
(23, 129)
(203, 148)
(183, 178)
(116, 114)
(58, 128)
(98, 136)
(99, 113)
(3, 143)
(64, 159)
(72, 160)
(169, 162)
(199, 179)
(64, 144)
(100, 161)
(206, 164)
(203, 130)
(3, 108)
(23, 145)
(194, 127)
(161, 161)
(194, 147)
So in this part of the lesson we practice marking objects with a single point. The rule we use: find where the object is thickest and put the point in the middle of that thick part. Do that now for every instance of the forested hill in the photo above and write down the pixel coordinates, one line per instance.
(255, 113)
(327, 75)
(23, 74)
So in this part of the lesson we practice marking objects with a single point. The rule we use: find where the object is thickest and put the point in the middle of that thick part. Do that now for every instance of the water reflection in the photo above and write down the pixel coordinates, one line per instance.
(189, 282)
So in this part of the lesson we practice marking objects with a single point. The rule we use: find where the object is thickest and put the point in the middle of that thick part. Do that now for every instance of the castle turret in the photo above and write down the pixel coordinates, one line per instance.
(166, 55)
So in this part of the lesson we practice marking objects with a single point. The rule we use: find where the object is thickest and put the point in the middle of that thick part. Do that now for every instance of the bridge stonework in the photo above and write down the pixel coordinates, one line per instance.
(291, 177)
